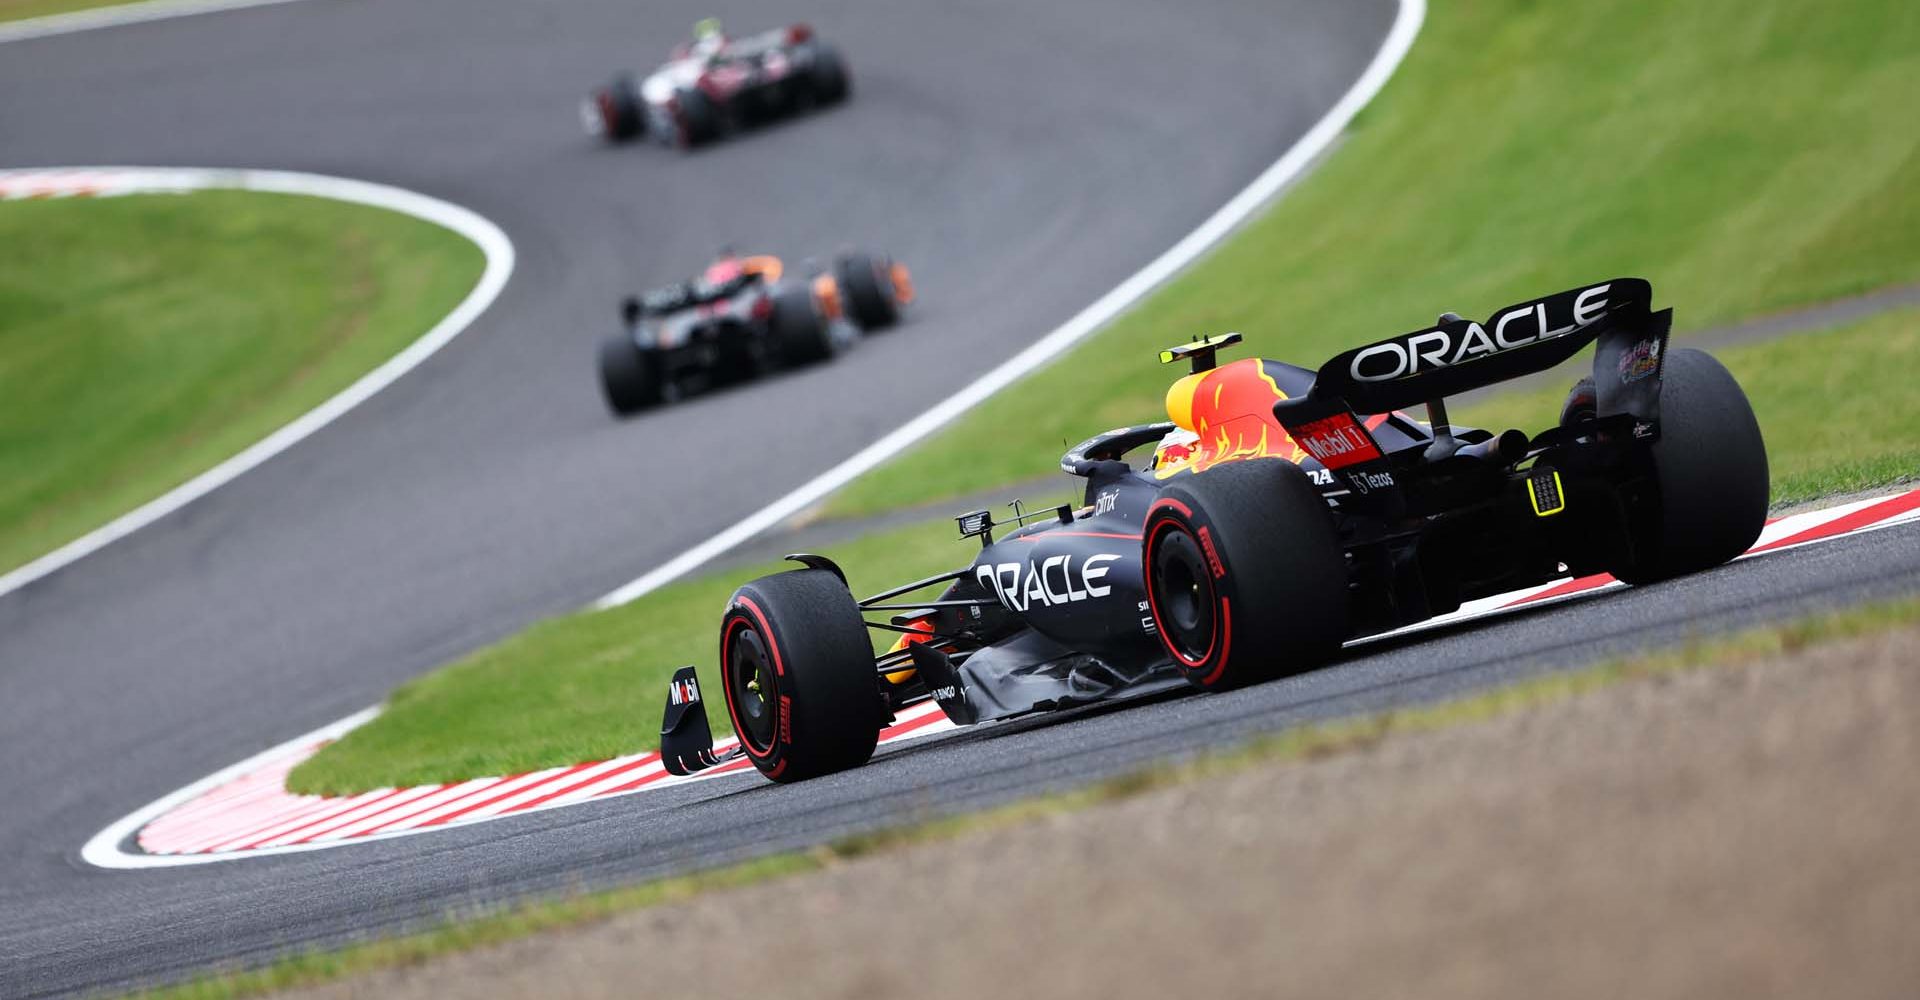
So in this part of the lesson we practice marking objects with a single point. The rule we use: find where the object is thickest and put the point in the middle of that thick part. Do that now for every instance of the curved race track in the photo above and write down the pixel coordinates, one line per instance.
(1023, 157)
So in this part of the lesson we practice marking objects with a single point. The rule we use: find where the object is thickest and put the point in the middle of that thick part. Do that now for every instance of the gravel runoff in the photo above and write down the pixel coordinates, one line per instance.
(1740, 832)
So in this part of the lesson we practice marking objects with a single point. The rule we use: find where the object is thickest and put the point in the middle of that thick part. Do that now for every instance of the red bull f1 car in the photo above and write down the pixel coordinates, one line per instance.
(1282, 511)
(742, 318)
(714, 85)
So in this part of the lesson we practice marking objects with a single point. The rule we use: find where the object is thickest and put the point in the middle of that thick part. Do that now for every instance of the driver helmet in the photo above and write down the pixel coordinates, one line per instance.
(707, 38)
(726, 267)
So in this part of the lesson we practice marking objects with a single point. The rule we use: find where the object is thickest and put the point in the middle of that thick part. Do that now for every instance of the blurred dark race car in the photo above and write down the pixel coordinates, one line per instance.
(742, 317)
(713, 85)
(1284, 511)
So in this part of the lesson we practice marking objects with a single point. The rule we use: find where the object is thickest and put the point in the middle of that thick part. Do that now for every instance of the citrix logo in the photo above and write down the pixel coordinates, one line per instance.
(1436, 347)
(1021, 586)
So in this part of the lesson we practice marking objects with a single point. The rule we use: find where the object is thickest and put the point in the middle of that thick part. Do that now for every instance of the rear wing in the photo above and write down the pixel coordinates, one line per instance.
(1462, 355)
(1458, 355)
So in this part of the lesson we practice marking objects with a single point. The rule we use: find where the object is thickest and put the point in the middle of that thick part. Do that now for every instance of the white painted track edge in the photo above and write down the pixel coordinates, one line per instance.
(493, 243)
(120, 14)
(1302, 154)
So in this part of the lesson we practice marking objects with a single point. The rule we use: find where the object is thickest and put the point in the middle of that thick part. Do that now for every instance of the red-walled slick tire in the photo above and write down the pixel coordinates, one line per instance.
(1245, 579)
(797, 670)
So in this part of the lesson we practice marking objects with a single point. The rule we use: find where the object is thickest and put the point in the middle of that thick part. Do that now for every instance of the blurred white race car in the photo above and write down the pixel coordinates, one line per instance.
(714, 84)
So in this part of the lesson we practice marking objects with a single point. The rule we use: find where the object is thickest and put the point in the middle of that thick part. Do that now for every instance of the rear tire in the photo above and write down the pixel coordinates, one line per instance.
(828, 76)
(698, 119)
(867, 281)
(621, 110)
(800, 334)
(630, 379)
(1710, 475)
(1581, 404)
(1245, 578)
(797, 669)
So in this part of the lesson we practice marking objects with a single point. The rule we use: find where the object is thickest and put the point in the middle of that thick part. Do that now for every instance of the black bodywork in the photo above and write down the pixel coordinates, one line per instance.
(707, 333)
(1053, 610)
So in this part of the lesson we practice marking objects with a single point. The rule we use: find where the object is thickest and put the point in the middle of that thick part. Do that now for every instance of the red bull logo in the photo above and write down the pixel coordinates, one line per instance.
(1230, 411)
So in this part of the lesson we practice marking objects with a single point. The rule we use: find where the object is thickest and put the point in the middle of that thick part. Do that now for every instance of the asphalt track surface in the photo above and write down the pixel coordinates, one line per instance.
(1022, 157)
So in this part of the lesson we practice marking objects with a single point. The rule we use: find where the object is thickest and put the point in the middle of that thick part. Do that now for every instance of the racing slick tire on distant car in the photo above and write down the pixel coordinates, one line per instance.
(631, 380)
(827, 76)
(797, 671)
(1709, 471)
(800, 334)
(695, 117)
(623, 116)
(872, 301)
(1246, 581)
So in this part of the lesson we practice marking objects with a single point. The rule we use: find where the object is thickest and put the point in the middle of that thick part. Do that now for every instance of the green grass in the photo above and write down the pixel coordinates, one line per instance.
(1744, 156)
(1837, 408)
(15, 10)
(465, 932)
(145, 338)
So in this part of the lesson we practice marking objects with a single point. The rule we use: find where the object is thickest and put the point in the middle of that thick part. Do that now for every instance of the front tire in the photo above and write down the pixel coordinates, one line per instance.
(867, 280)
(628, 377)
(1709, 471)
(800, 334)
(797, 670)
(1245, 578)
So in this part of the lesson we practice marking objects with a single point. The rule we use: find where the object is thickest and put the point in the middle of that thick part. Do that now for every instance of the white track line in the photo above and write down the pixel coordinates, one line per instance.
(493, 243)
(113, 17)
(1406, 26)
(104, 849)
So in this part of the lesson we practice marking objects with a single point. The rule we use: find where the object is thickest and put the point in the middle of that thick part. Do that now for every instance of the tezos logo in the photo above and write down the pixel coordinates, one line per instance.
(1441, 347)
(1364, 482)
(1020, 586)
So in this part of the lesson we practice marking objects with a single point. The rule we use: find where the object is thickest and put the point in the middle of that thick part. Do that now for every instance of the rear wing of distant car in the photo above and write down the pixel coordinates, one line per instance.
(1458, 355)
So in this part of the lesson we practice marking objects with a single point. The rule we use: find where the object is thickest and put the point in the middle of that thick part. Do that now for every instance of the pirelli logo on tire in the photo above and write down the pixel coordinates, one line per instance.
(1213, 555)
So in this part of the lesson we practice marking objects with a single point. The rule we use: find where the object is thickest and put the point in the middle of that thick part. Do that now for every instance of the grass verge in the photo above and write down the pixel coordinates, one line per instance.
(144, 339)
(1741, 155)
(1303, 743)
(20, 10)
